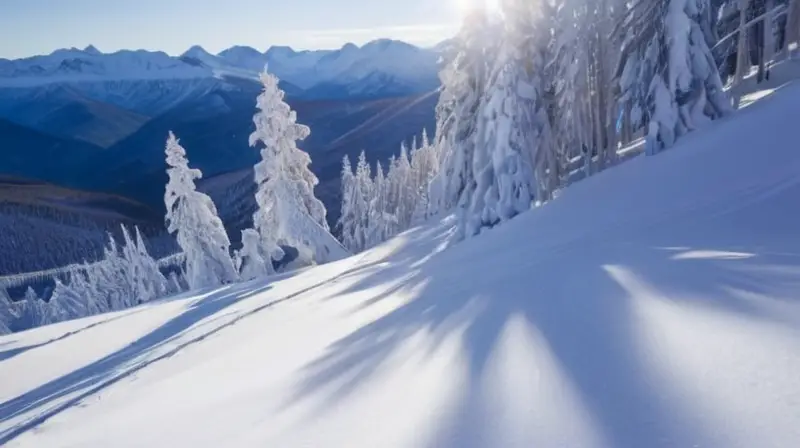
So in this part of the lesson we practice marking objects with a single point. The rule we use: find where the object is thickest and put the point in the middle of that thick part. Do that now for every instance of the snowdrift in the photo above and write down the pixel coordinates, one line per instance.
(653, 305)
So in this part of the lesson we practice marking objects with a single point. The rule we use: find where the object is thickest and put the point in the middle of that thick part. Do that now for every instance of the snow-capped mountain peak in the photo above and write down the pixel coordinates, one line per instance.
(91, 49)
(247, 58)
(197, 52)
(342, 70)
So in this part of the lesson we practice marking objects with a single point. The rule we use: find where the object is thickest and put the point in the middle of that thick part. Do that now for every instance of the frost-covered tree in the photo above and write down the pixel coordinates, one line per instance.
(192, 216)
(377, 214)
(667, 69)
(424, 166)
(512, 125)
(9, 312)
(109, 278)
(174, 283)
(289, 213)
(362, 194)
(66, 303)
(347, 219)
(34, 310)
(400, 194)
(145, 280)
(82, 283)
(463, 78)
(250, 262)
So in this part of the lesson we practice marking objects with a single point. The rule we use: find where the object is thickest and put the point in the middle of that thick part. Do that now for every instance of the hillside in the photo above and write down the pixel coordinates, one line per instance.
(654, 304)
(43, 226)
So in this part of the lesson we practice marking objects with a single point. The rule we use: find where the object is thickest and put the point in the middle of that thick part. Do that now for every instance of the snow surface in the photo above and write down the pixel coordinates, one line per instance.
(652, 305)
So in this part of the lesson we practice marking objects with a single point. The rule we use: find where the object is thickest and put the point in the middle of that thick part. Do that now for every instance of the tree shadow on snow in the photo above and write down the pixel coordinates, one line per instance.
(10, 353)
(104, 372)
(582, 298)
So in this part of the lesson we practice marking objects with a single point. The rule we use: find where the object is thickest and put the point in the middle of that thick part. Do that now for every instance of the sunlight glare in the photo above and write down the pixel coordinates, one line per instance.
(464, 7)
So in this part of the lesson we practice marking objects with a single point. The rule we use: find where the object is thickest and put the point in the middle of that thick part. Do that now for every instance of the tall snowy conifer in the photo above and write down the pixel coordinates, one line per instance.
(668, 70)
(361, 199)
(193, 217)
(347, 218)
(288, 213)
(377, 232)
(251, 264)
(463, 83)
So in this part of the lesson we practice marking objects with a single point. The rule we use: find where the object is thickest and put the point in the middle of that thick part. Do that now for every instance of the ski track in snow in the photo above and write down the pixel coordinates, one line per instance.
(653, 305)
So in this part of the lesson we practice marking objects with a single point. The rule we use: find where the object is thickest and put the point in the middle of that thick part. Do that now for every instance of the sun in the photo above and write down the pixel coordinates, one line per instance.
(465, 7)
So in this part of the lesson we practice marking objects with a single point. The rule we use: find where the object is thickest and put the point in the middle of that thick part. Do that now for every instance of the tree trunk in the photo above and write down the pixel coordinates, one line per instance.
(793, 27)
(767, 43)
(742, 50)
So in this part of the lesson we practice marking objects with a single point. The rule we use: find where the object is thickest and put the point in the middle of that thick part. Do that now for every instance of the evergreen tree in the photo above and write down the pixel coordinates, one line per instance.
(347, 219)
(361, 198)
(9, 312)
(66, 303)
(289, 213)
(145, 279)
(463, 83)
(174, 284)
(377, 232)
(192, 216)
(35, 312)
(668, 70)
(251, 263)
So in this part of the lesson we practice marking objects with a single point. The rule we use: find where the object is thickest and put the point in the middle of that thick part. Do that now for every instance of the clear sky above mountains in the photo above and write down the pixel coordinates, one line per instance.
(29, 27)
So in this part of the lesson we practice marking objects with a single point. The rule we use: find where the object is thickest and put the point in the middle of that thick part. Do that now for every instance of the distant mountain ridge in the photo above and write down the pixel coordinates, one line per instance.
(401, 68)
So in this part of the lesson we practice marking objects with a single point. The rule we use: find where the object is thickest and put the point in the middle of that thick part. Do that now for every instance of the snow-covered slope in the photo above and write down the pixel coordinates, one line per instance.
(653, 305)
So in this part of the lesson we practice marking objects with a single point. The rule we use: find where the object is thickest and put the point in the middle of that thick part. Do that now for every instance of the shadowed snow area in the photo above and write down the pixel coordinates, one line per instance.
(653, 305)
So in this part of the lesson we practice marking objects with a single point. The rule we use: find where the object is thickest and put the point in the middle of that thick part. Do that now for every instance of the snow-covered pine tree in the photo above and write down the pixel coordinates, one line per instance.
(463, 82)
(174, 284)
(401, 189)
(361, 199)
(151, 282)
(9, 312)
(513, 125)
(35, 312)
(82, 282)
(108, 278)
(66, 303)
(192, 216)
(423, 166)
(347, 219)
(667, 68)
(288, 213)
(377, 231)
(251, 263)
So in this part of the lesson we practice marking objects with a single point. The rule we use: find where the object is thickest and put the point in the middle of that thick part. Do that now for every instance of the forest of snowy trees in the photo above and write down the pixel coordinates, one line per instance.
(288, 215)
(531, 88)
(527, 90)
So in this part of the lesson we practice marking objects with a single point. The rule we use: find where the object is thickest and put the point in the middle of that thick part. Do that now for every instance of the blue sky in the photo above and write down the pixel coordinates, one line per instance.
(29, 27)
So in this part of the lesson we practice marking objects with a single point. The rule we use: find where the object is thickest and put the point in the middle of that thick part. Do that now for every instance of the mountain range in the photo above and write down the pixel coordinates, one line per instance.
(378, 69)
(97, 122)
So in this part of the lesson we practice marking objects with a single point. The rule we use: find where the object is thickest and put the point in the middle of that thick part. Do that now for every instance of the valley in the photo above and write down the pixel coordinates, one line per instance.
(94, 122)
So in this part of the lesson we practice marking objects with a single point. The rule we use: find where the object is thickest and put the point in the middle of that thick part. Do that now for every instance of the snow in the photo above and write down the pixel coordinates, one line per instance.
(652, 305)
(75, 65)
(306, 69)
